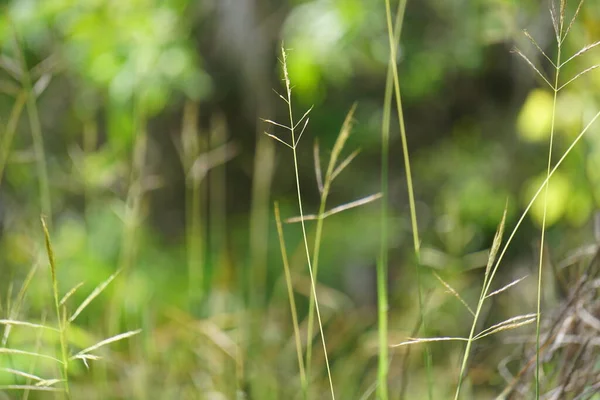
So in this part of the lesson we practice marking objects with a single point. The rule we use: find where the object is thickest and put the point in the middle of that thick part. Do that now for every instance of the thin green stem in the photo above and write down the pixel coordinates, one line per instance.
(409, 184)
(304, 235)
(290, 289)
(9, 131)
(191, 149)
(315, 269)
(36, 134)
(194, 242)
(382, 264)
(543, 233)
(131, 219)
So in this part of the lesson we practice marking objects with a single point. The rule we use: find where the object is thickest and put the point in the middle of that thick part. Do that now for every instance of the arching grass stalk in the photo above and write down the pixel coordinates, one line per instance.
(490, 277)
(411, 196)
(294, 143)
(382, 264)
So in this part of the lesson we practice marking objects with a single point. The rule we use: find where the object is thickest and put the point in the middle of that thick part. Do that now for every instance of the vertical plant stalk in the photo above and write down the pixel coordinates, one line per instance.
(543, 228)
(136, 190)
(253, 282)
(217, 218)
(382, 264)
(290, 289)
(191, 149)
(409, 183)
(302, 223)
(132, 213)
(90, 141)
(8, 133)
(62, 322)
(329, 176)
(36, 134)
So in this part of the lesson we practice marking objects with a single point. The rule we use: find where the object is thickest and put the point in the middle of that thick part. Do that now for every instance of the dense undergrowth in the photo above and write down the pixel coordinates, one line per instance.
(211, 331)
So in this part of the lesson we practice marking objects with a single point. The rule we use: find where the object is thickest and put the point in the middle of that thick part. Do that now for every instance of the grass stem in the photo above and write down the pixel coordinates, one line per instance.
(409, 184)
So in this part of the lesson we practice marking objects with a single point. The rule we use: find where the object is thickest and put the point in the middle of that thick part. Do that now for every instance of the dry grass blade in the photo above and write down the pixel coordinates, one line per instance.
(211, 159)
(453, 292)
(31, 387)
(93, 295)
(86, 357)
(588, 318)
(429, 340)
(270, 121)
(104, 342)
(47, 382)
(574, 365)
(585, 71)
(582, 51)
(526, 33)
(532, 65)
(279, 140)
(6, 350)
(510, 323)
(495, 245)
(289, 284)
(344, 164)
(41, 84)
(13, 322)
(69, 294)
(40, 382)
(21, 373)
(573, 19)
(513, 283)
(335, 210)
(220, 338)
(318, 172)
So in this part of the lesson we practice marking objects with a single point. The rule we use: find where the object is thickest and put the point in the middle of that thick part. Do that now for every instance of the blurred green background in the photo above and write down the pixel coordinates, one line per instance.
(135, 127)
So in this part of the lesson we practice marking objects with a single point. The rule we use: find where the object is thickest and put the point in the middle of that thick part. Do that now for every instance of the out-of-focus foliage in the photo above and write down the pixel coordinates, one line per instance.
(129, 164)
(128, 51)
